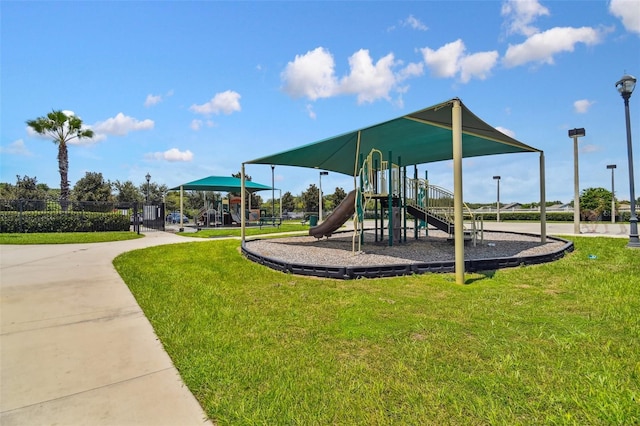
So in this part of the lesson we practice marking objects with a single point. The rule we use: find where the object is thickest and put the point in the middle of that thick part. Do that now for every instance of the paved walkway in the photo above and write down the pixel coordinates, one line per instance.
(75, 347)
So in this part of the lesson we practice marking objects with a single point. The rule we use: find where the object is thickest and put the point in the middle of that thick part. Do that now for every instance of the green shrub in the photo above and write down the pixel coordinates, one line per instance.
(39, 221)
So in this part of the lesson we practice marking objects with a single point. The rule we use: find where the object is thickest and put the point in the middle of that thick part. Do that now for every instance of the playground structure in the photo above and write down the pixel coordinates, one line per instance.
(445, 131)
(227, 212)
(385, 187)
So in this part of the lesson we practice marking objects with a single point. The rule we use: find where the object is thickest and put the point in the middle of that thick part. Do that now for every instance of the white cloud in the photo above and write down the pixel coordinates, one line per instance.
(628, 11)
(582, 106)
(225, 102)
(588, 148)
(196, 125)
(543, 46)
(310, 75)
(414, 23)
(121, 125)
(370, 82)
(507, 132)
(311, 112)
(152, 100)
(477, 65)
(444, 61)
(519, 14)
(171, 155)
(16, 147)
(412, 70)
(451, 60)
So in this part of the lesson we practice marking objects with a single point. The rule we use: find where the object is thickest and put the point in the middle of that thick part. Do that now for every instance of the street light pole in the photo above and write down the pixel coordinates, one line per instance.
(625, 86)
(613, 194)
(497, 178)
(320, 197)
(575, 134)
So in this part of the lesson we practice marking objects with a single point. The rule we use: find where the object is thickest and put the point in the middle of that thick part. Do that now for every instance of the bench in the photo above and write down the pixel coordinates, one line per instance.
(273, 221)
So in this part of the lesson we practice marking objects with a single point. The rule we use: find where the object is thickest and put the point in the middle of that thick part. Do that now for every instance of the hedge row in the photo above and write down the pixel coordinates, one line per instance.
(535, 216)
(30, 222)
(551, 216)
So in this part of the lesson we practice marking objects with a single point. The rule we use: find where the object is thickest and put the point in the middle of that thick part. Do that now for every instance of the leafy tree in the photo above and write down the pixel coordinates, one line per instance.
(310, 199)
(62, 128)
(338, 196)
(288, 203)
(152, 192)
(595, 200)
(27, 188)
(92, 187)
(7, 190)
(127, 192)
(256, 200)
(172, 201)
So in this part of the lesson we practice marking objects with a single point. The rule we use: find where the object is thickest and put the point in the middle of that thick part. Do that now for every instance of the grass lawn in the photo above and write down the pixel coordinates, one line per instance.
(67, 237)
(557, 343)
(254, 230)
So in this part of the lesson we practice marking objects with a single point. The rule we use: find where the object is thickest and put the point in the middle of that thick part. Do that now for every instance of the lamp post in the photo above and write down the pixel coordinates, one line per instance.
(148, 177)
(320, 197)
(497, 178)
(575, 134)
(613, 194)
(273, 192)
(625, 86)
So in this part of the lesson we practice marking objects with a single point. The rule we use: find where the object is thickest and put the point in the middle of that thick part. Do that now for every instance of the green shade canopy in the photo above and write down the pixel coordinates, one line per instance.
(222, 184)
(420, 137)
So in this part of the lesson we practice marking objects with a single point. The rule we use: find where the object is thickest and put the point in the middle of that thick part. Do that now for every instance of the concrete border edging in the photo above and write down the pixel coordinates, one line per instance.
(394, 270)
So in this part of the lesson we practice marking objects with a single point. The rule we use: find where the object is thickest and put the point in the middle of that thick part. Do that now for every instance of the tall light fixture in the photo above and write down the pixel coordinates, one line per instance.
(148, 177)
(497, 178)
(320, 197)
(625, 86)
(575, 134)
(613, 194)
(273, 193)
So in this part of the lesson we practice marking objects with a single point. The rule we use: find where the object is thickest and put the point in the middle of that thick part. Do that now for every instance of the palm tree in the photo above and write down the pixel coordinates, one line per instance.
(62, 128)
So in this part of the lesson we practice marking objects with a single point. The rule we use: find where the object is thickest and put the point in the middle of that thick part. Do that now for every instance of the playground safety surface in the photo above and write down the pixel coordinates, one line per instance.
(334, 257)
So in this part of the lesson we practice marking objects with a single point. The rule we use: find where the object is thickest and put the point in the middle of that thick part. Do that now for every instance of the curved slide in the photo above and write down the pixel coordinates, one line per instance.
(335, 220)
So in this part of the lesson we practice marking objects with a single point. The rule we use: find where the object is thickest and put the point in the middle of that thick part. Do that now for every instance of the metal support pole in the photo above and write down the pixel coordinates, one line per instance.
(543, 201)
(390, 199)
(613, 194)
(497, 178)
(456, 133)
(576, 188)
(273, 193)
(613, 200)
(242, 201)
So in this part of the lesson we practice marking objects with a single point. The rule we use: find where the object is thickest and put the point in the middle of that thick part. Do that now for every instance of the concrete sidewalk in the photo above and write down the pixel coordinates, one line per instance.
(76, 348)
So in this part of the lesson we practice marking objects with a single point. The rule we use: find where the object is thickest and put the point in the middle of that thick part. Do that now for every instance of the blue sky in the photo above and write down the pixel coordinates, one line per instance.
(184, 90)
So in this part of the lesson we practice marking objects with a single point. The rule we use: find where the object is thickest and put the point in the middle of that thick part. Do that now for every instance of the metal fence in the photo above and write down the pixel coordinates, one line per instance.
(19, 215)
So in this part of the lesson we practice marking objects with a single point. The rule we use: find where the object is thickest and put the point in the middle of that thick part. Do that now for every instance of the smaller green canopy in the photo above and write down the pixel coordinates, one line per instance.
(222, 184)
